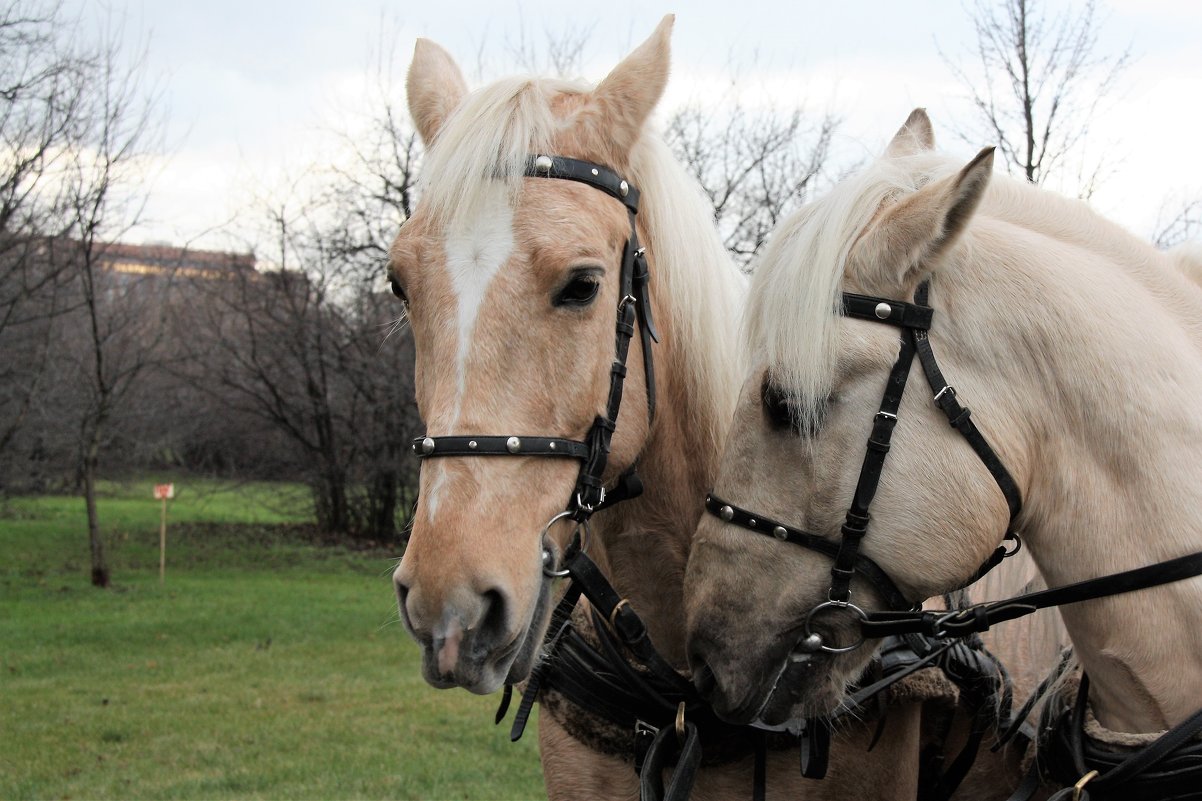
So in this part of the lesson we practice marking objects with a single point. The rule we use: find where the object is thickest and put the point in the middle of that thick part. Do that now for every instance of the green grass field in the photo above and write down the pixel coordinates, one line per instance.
(266, 666)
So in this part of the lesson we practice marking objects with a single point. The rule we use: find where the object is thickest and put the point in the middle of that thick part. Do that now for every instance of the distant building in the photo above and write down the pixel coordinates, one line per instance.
(167, 261)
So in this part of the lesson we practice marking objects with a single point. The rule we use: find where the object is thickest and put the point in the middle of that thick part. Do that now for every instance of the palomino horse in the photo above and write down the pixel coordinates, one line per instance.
(1080, 349)
(511, 282)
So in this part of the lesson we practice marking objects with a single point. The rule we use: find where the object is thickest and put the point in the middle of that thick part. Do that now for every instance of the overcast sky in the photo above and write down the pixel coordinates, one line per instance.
(252, 89)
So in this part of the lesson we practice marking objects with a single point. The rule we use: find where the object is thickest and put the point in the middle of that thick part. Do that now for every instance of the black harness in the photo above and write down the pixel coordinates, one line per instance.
(914, 319)
(1169, 768)
(664, 711)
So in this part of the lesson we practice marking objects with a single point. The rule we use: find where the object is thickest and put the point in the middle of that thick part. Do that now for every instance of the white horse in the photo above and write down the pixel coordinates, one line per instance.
(1079, 349)
(511, 285)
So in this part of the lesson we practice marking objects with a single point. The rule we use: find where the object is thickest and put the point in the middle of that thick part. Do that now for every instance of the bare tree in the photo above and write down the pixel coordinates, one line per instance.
(1036, 82)
(306, 347)
(42, 103)
(120, 331)
(1177, 222)
(755, 168)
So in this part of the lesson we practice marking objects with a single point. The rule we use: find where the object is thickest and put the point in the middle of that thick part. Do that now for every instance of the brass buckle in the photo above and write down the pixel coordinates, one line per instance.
(680, 724)
(1080, 785)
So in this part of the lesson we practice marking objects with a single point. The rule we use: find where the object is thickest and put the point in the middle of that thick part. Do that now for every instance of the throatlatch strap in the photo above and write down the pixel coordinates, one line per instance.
(960, 419)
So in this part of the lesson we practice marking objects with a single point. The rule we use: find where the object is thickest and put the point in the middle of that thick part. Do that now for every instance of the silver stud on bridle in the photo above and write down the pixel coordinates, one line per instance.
(513, 445)
(543, 163)
(883, 310)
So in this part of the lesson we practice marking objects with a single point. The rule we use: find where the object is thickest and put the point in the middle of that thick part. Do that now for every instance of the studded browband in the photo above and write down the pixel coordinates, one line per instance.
(634, 308)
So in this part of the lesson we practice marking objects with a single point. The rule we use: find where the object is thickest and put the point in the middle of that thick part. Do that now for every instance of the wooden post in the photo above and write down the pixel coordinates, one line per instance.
(163, 541)
(163, 492)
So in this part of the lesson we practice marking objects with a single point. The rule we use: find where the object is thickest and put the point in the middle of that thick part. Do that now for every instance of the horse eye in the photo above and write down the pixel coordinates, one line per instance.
(580, 291)
(396, 290)
(776, 406)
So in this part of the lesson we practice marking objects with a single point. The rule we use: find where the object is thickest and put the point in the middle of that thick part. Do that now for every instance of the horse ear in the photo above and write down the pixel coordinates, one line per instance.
(434, 86)
(621, 103)
(915, 136)
(911, 235)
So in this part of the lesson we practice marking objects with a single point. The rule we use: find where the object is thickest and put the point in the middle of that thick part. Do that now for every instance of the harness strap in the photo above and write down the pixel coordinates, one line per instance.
(894, 312)
(490, 445)
(855, 526)
(1170, 767)
(687, 752)
(625, 622)
(960, 419)
(870, 570)
(585, 172)
(981, 617)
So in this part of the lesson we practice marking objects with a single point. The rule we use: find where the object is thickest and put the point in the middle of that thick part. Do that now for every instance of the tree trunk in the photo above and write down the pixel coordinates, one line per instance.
(383, 503)
(100, 568)
(333, 511)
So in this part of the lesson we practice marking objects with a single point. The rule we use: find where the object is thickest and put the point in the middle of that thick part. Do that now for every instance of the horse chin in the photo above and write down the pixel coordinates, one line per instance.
(808, 686)
(531, 646)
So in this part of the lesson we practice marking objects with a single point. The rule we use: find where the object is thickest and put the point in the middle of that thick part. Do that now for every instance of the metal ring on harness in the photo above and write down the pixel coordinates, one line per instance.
(831, 649)
(1018, 544)
(548, 555)
(680, 724)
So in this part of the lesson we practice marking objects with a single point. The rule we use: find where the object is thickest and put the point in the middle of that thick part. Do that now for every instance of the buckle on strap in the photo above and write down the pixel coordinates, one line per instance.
(589, 508)
(1079, 787)
(947, 389)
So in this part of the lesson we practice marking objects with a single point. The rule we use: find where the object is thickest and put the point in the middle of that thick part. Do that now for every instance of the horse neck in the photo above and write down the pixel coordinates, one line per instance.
(1107, 398)
(644, 543)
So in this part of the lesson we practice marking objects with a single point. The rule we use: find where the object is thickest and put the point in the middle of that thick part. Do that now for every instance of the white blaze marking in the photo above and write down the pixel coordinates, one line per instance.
(477, 246)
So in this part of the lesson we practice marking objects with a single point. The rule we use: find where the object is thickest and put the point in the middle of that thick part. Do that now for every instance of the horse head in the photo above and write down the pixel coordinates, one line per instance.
(511, 282)
(772, 629)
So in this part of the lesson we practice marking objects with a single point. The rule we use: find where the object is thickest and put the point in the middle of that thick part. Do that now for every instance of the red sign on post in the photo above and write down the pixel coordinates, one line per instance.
(164, 493)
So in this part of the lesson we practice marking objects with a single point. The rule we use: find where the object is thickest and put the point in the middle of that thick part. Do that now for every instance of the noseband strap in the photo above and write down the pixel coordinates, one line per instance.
(878, 578)
(634, 310)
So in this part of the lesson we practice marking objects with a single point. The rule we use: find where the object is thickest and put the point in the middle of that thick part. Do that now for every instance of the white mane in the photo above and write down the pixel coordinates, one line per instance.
(795, 302)
(490, 137)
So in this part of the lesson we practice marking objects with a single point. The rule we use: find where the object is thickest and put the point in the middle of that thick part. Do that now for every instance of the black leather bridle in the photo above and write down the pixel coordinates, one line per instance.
(905, 617)
(914, 319)
(634, 308)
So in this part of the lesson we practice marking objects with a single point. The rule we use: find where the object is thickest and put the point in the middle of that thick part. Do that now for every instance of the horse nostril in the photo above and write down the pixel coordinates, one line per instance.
(494, 612)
